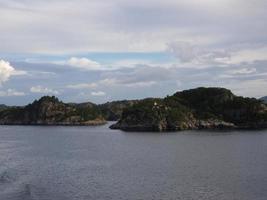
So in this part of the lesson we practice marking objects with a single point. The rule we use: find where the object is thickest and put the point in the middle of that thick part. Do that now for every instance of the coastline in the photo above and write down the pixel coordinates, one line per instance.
(86, 123)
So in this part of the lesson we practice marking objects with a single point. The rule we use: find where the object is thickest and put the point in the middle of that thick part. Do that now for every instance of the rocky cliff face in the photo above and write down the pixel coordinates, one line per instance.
(201, 108)
(190, 109)
(51, 111)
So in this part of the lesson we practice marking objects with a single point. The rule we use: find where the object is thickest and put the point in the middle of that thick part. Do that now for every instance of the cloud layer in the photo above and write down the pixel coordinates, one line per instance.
(83, 63)
(122, 49)
(11, 93)
(123, 25)
(43, 90)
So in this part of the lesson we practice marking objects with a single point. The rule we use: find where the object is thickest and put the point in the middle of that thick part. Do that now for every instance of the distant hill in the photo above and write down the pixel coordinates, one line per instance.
(50, 111)
(112, 111)
(264, 99)
(200, 108)
(3, 106)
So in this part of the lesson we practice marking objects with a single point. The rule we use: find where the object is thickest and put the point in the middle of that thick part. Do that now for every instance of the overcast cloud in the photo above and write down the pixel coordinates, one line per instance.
(119, 49)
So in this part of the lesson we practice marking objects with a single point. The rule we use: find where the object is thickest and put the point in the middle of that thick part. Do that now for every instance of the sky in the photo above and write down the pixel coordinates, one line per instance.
(104, 50)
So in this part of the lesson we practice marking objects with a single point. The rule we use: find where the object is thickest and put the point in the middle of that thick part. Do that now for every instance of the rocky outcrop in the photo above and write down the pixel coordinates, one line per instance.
(163, 126)
(51, 111)
(201, 108)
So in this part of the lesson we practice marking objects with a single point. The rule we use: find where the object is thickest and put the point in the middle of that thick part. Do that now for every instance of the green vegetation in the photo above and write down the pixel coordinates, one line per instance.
(49, 110)
(87, 113)
(191, 109)
(220, 103)
(112, 111)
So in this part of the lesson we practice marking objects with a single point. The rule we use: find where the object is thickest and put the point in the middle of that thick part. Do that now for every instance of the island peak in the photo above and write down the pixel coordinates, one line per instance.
(200, 108)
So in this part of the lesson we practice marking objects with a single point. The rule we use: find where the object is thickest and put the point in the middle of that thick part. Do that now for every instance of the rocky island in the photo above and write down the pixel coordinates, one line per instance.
(200, 108)
(50, 111)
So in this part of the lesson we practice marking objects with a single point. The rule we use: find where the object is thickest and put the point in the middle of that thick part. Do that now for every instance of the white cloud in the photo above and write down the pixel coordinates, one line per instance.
(140, 84)
(43, 90)
(109, 82)
(119, 81)
(243, 71)
(38, 26)
(248, 55)
(87, 64)
(11, 92)
(189, 53)
(82, 86)
(214, 44)
(248, 87)
(184, 51)
(6, 71)
(98, 93)
(83, 63)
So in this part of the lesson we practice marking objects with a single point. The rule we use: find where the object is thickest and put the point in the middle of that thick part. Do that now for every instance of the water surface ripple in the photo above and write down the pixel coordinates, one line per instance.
(84, 163)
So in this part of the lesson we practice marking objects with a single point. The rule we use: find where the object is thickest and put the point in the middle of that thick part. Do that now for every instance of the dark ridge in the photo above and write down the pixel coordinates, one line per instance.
(190, 109)
(200, 108)
(48, 110)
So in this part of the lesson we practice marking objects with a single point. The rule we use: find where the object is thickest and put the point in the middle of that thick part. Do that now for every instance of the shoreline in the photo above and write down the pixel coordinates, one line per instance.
(88, 123)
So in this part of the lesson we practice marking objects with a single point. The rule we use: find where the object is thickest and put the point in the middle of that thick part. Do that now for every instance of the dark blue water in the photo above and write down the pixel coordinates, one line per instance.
(68, 163)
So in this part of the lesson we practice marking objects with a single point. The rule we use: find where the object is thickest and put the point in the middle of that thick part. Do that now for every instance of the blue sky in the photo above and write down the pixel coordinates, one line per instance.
(121, 49)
